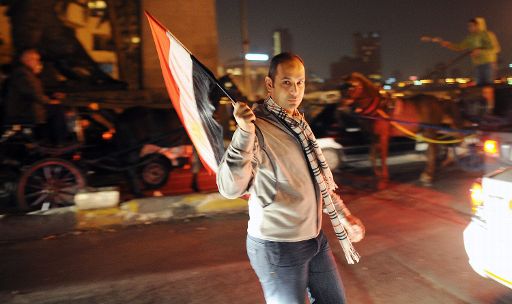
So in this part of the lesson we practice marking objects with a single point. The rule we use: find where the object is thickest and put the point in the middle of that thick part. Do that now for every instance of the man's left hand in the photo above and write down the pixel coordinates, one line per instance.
(356, 230)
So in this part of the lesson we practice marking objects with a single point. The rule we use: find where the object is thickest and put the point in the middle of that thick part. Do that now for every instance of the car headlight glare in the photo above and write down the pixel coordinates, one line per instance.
(477, 197)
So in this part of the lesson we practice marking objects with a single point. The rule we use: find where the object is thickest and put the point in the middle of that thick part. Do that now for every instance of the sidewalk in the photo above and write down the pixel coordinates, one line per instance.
(146, 210)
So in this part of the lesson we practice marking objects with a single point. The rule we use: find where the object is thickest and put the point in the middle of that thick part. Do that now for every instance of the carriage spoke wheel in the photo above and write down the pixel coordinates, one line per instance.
(50, 183)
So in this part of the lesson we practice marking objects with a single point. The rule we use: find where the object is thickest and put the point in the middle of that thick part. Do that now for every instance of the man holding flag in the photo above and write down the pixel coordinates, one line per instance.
(274, 157)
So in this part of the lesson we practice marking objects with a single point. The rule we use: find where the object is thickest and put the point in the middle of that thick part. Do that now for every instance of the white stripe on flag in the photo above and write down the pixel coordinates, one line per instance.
(180, 64)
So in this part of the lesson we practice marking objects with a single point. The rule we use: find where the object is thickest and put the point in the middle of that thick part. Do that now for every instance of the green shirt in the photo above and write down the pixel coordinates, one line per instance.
(486, 42)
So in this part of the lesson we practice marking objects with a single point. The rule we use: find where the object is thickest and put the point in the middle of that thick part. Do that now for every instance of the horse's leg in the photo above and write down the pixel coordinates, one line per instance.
(428, 174)
(384, 148)
(373, 156)
(380, 146)
(450, 157)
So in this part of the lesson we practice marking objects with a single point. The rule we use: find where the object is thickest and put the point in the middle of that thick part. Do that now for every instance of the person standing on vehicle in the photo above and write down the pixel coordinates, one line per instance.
(270, 158)
(484, 48)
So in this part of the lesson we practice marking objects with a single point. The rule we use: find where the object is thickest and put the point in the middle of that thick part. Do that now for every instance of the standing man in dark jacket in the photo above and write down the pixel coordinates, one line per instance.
(26, 101)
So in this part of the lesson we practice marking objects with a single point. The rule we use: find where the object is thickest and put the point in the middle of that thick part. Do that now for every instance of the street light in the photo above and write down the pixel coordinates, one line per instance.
(256, 57)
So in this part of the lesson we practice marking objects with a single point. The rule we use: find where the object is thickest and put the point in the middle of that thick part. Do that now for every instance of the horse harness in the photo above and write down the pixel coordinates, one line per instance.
(373, 104)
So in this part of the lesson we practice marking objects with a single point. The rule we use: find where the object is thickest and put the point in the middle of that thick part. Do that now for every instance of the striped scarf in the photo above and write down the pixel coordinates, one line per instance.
(322, 174)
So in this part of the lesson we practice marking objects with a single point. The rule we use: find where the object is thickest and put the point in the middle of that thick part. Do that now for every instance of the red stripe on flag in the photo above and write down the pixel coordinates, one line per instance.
(162, 43)
(177, 69)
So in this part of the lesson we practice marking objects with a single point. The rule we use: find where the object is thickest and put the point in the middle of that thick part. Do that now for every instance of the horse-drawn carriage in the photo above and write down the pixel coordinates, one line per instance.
(445, 122)
(36, 175)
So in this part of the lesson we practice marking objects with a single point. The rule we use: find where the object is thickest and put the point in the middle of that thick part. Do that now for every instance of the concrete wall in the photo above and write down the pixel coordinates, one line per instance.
(193, 22)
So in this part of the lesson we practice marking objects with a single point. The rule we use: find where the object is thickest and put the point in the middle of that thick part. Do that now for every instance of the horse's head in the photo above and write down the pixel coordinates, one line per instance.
(356, 90)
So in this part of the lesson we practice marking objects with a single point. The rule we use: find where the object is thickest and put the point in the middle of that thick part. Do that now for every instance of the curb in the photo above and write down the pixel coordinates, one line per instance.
(134, 212)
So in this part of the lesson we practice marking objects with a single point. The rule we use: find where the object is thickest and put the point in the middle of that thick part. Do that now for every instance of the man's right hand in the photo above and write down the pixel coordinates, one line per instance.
(244, 116)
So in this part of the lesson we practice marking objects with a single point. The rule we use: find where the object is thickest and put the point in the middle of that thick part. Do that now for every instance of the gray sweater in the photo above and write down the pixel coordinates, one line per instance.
(269, 164)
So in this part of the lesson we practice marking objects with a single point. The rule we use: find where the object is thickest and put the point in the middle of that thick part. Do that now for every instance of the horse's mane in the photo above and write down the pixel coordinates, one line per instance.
(369, 88)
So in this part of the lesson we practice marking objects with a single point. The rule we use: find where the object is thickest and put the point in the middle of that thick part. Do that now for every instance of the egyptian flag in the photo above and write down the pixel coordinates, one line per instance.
(190, 86)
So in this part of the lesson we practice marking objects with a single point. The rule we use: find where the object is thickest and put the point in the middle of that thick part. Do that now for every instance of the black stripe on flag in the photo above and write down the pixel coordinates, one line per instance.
(206, 94)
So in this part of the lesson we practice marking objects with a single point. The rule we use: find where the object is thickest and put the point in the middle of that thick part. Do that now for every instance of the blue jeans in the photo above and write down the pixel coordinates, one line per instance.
(485, 73)
(287, 269)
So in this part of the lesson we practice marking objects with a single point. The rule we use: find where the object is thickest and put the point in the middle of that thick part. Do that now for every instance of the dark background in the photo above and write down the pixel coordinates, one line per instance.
(322, 30)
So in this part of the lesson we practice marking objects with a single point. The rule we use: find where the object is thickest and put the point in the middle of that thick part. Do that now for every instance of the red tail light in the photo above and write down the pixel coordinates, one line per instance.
(107, 135)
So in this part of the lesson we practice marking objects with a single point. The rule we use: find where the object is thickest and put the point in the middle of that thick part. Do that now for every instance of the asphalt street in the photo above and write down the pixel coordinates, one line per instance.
(413, 253)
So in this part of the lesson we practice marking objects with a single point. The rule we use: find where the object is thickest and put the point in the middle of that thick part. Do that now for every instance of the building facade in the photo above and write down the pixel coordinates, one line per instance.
(366, 58)
(282, 41)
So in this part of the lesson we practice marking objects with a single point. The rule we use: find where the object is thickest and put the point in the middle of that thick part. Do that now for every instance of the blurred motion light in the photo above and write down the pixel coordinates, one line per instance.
(256, 57)
(390, 80)
(387, 87)
(491, 147)
(107, 135)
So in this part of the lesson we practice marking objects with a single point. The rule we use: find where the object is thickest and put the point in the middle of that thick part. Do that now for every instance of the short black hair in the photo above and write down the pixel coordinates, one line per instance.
(281, 58)
(473, 20)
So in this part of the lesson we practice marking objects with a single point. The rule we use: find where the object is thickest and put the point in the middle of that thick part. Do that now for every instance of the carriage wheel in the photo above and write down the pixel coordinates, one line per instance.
(49, 183)
(155, 172)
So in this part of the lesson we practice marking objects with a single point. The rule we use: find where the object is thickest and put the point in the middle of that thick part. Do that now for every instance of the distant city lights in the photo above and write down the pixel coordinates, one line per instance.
(256, 57)
(97, 4)
(390, 80)
(387, 86)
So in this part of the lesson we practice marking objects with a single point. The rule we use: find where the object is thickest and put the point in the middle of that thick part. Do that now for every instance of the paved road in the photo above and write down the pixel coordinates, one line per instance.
(413, 253)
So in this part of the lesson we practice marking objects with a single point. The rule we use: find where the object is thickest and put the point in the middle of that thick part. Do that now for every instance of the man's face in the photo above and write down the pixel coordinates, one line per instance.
(287, 89)
(32, 60)
(472, 27)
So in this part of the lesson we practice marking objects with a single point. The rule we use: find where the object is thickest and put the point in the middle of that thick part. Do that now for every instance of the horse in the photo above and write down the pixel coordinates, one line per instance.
(383, 112)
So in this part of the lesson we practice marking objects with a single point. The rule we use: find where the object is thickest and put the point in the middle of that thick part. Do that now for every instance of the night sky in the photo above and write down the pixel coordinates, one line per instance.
(322, 30)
